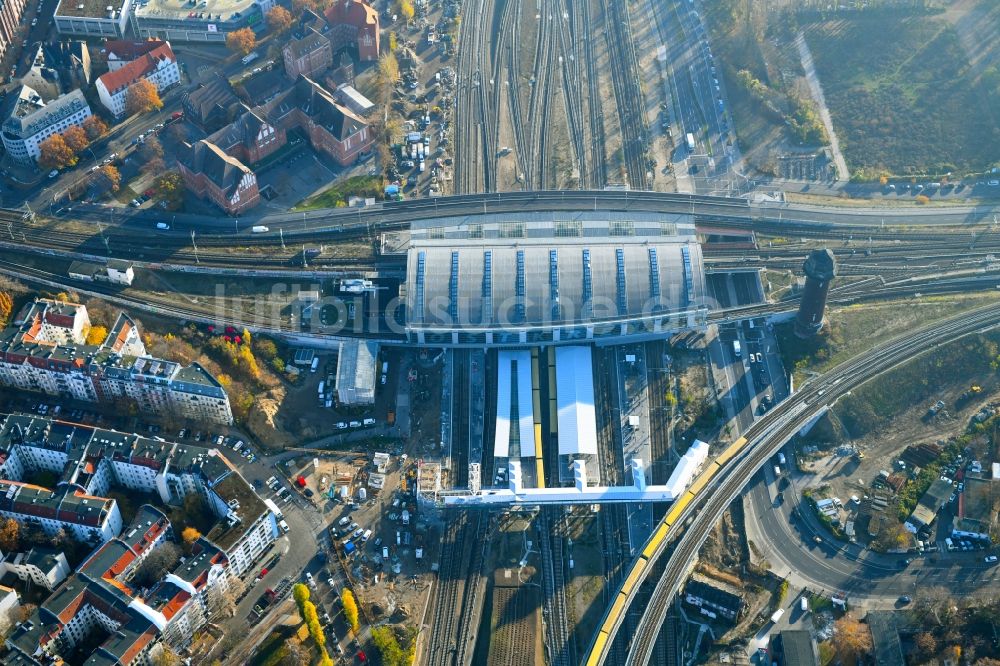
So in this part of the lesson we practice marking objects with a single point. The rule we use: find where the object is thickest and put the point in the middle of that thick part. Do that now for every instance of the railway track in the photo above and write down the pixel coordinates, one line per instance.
(514, 636)
(558, 640)
(569, 76)
(690, 519)
(447, 601)
(624, 75)
(598, 163)
(539, 102)
(472, 168)
(514, 91)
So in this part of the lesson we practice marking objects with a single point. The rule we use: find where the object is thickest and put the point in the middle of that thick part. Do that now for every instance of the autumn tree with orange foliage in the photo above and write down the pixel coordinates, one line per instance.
(6, 307)
(851, 637)
(94, 127)
(55, 153)
(279, 20)
(10, 535)
(241, 41)
(113, 175)
(76, 138)
(142, 97)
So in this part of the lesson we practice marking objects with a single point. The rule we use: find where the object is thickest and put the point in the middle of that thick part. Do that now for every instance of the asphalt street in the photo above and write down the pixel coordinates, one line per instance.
(869, 579)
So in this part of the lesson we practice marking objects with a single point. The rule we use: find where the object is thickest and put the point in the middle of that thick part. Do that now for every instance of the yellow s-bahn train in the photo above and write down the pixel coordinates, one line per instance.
(653, 545)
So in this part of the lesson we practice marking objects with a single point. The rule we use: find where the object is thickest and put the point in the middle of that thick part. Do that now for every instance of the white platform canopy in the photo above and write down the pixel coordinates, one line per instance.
(514, 403)
(575, 400)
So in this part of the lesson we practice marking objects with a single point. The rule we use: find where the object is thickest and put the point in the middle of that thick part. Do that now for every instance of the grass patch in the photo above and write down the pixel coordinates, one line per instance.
(272, 651)
(902, 96)
(876, 403)
(338, 194)
(856, 328)
(125, 194)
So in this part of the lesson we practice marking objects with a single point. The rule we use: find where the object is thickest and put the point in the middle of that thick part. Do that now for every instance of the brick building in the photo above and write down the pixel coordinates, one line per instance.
(332, 128)
(308, 50)
(354, 25)
(216, 168)
(211, 174)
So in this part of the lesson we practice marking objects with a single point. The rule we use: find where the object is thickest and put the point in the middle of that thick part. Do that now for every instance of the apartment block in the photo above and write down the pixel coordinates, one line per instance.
(44, 351)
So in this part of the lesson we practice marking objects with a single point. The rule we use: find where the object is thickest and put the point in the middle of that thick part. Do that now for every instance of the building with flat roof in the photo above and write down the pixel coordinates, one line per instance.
(353, 100)
(93, 18)
(208, 22)
(90, 462)
(356, 372)
(549, 278)
(976, 516)
(28, 120)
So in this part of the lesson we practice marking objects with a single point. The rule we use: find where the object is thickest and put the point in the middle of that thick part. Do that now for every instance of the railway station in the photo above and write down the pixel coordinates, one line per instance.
(549, 302)
(549, 278)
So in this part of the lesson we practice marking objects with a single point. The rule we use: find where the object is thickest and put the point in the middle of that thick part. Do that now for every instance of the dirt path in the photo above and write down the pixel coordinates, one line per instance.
(843, 175)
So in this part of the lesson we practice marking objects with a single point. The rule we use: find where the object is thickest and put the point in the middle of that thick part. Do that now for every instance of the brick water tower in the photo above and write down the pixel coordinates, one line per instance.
(820, 269)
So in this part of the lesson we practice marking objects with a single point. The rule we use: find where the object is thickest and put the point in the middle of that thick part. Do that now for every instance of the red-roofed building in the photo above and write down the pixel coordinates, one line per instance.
(119, 52)
(158, 66)
(354, 23)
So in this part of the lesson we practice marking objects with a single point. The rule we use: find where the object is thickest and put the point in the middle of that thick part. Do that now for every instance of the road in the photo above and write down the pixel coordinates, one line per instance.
(870, 580)
(721, 486)
(399, 214)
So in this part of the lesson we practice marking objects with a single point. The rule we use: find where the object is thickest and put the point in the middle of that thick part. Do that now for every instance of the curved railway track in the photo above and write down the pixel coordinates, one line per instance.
(691, 517)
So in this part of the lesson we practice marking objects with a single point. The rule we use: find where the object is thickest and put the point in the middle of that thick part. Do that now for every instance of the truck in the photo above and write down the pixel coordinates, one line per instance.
(250, 57)
(690, 142)
(737, 349)
(269, 503)
(259, 229)
(314, 366)
(362, 494)
(349, 547)
(777, 615)
(322, 385)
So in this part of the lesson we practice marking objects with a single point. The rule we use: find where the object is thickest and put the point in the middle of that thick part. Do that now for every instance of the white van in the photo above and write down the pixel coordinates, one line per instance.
(777, 615)
(385, 552)
(367, 535)
(283, 525)
(804, 604)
